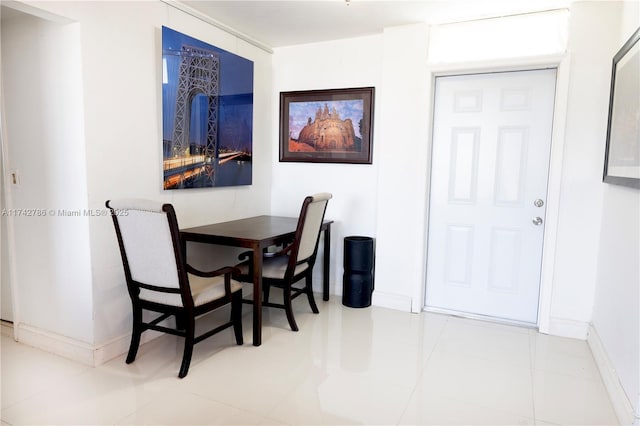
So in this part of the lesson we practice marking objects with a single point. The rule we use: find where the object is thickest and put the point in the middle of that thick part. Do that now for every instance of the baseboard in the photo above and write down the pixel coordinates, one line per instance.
(619, 399)
(381, 299)
(568, 328)
(391, 301)
(119, 346)
(76, 350)
(64, 346)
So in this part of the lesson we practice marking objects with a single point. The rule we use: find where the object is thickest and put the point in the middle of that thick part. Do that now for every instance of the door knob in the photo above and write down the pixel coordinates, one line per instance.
(537, 221)
(538, 203)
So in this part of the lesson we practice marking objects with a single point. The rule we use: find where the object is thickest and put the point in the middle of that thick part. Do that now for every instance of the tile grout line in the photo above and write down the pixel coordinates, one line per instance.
(423, 368)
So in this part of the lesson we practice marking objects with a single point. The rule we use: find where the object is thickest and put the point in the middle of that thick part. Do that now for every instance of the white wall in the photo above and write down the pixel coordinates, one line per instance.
(119, 57)
(404, 168)
(616, 317)
(43, 100)
(377, 200)
(120, 133)
(401, 159)
(342, 64)
(592, 34)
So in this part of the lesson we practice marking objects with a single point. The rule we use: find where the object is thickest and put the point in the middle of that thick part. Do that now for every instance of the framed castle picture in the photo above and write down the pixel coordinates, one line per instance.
(327, 126)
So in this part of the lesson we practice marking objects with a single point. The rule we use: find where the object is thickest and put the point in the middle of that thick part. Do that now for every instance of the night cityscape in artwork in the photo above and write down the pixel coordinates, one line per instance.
(207, 109)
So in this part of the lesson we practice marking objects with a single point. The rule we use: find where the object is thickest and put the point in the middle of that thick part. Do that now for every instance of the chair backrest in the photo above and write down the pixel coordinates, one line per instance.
(149, 241)
(309, 223)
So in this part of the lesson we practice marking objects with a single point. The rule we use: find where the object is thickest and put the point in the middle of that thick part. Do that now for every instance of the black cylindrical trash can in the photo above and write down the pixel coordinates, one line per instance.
(357, 281)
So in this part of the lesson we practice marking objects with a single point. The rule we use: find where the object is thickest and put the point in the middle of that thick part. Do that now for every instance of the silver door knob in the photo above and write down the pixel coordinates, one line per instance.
(537, 221)
(538, 203)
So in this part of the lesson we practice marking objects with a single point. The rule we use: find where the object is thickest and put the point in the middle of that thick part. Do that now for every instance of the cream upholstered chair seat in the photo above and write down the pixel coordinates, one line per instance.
(274, 267)
(294, 262)
(203, 290)
(160, 280)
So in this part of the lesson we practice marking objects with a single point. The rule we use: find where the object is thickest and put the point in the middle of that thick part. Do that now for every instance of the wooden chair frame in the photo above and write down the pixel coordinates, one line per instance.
(290, 277)
(186, 314)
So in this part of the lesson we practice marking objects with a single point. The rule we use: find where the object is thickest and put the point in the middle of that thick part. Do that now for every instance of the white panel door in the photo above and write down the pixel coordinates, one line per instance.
(490, 164)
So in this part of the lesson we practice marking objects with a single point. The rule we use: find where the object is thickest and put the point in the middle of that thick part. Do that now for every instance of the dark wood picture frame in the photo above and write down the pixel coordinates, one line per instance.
(327, 126)
(622, 154)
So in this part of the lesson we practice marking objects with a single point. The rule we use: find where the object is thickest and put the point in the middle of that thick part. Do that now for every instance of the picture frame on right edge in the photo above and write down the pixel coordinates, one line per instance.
(622, 155)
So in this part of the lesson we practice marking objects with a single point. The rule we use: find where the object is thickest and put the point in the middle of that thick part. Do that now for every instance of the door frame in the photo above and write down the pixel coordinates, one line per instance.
(8, 204)
(562, 64)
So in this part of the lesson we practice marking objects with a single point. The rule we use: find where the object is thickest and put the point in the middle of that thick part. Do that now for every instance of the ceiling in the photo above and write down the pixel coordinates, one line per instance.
(7, 13)
(285, 23)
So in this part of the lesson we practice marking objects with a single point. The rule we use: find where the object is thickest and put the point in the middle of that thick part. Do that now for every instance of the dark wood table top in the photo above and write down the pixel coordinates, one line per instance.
(245, 232)
(257, 233)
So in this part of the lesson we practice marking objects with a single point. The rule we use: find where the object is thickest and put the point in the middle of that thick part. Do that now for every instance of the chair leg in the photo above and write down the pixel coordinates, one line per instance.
(265, 291)
(309, 291)
(190, 324)
(236, 316)
(286, 291)
(181, 323)
(135, 334)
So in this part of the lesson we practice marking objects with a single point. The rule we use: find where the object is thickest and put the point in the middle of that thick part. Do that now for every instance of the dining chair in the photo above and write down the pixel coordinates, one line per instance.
(294, 262)
(160, 280)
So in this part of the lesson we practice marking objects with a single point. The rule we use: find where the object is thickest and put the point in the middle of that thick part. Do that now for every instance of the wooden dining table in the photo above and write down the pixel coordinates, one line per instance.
(257, 233)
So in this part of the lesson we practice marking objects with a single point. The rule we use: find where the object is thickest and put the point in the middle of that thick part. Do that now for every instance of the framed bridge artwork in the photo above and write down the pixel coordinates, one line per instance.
(207, 114)
(327, 126)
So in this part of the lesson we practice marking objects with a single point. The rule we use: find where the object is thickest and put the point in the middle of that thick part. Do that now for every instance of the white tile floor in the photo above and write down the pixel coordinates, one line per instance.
(344, 366)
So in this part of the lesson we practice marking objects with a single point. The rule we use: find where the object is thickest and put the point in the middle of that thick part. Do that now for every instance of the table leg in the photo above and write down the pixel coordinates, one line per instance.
(257, 296)
(326, 260)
